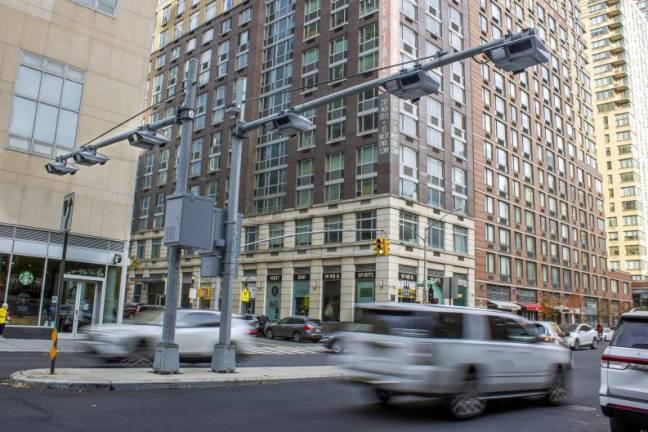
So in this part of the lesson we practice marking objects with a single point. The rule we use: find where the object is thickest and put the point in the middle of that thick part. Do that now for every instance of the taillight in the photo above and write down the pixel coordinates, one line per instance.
(613, 362)
(308, 327)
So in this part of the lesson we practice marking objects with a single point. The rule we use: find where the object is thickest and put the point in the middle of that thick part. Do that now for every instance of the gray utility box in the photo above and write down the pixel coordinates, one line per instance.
(188, 221)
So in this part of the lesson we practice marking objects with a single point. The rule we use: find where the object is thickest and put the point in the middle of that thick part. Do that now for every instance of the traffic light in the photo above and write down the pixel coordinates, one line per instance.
(378, 246)
(385, 247)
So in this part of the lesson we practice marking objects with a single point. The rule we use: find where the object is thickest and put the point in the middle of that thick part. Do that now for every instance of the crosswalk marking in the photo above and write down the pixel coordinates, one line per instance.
(269, 348)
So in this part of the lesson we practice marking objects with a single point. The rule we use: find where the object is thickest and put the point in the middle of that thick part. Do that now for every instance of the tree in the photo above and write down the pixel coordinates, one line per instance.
(548, 304)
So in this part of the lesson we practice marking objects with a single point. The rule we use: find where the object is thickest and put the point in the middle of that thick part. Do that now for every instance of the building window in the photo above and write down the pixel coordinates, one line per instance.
(368, 48)
(172, 80)
(46, 105)
(201, 111)
(215, 151)
(336, 120)
(408, 172)
(408, 227)
(108, 7)
(367, 111)
(368, 7)
(140, 247)
(223, 58)
(147, 179)
(212, 189)
(245, 16)
(311, 19)
(460, 239)
(251, 237)
(144, 213)
(366, 225)
(334, 176)
(205, 65)
(305, 183)
(163, 167)
(156, 246)
(303, 232)
(194, 19)
(409, 118)
(275, 236)
(158, 212)
(338, 49)
(435, 123)
(196, 157)
(333, 229)
(243, 49)
(459, 188)
(307, 139)
(310, 68)
(339, 13)
(435, 182)
(366, 170)
(436, 234)
(218, 107)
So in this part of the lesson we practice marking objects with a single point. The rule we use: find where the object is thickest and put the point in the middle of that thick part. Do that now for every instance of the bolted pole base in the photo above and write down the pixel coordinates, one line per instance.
(167, 359)
(224, 358)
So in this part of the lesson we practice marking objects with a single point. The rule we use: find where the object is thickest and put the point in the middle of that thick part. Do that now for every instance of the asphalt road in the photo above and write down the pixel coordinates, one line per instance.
(311, 406)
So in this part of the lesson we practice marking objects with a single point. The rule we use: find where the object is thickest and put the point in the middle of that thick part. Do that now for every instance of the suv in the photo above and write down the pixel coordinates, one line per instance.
(465, 355)
(297, 328)
(580, 335)
(624, 374)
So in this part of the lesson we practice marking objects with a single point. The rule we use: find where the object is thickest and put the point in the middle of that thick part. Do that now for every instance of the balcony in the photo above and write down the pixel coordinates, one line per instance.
(619, 72)
(617, 48)
(612, 2)
(615, 23)
(615, 35)
(613, 12)
(621, 85)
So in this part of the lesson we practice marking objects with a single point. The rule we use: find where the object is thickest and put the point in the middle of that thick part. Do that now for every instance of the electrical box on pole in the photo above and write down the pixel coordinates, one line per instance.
(188, 220)
(212, 259)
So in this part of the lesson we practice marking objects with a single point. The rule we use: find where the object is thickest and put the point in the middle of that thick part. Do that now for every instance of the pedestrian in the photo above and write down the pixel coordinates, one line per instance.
(4, 318)
(599, 330)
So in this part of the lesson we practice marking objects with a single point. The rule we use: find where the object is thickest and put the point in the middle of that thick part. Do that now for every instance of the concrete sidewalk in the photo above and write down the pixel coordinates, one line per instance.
(123, 379)
(39, 345)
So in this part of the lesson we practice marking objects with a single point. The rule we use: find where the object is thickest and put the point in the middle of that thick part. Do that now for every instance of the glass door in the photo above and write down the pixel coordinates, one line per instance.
(80, 305)
(68, 306)
(87, 306)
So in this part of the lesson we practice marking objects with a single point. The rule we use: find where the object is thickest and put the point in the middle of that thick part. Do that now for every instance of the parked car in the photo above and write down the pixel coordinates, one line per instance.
(549, 332)
(130, 310)
(580, 335)
(607, 334)
(196, 334)
(297, 328)
(334, 342)
(464, 355)
(249, 319)
(624, 374)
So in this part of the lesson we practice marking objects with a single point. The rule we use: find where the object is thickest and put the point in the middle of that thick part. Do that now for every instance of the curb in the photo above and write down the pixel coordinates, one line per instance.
(21, 379)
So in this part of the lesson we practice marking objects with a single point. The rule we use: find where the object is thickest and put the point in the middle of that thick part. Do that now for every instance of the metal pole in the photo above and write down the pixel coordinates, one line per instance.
(167, 358)
(59, 291)
(426, 294)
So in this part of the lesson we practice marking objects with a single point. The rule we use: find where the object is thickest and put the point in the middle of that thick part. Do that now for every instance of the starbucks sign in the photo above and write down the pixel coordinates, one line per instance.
(26, 277)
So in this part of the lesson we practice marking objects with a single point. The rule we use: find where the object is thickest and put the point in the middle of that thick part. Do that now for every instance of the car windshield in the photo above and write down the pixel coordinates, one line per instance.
(148, 317)
(631, 334)
(568, 328)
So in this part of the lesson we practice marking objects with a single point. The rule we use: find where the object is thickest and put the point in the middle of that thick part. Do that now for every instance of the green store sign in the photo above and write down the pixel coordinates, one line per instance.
(26, 277)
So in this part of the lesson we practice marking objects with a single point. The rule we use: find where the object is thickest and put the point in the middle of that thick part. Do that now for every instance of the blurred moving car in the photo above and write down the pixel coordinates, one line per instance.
(624, 374)
(130, 310)
(196, 334)
(607, 334)
(465, 355)
(334, 342)
(297, 328)
(549, 332)
(249, 319)
(580, 335)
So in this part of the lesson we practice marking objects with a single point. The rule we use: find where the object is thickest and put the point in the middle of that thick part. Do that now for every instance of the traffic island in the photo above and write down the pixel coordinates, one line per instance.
(134, 379)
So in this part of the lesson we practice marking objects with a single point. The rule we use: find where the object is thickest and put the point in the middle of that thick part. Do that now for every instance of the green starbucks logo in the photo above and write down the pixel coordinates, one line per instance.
(26, 277)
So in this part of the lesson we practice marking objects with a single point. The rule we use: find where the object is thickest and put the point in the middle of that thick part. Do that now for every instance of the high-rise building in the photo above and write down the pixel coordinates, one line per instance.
(373, 165)
(615, 35)
(539, 199)
(71, 69)
(643, 6)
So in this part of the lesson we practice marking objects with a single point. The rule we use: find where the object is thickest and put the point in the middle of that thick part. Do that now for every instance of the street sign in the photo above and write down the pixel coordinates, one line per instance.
(245, 295)
(66, 217)
(53, 350)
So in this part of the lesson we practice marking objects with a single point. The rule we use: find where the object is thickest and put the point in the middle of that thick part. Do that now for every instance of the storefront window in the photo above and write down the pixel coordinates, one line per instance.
(85, 269)
(48, 310)
(365, 284)
(4, 269)
(25, 288)
(407, 284)
(435, 287)
(273, 295)
(331, 293)
(460, 289)
(301, 292)
(248, 300)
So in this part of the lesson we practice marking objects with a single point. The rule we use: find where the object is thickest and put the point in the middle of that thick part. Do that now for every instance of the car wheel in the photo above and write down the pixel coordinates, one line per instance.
(466, 403)
(297, 337)
(617, 425)
(594, 344)
(383, 395)
(559, 391)
(269, 334)
(139, 357)
(337, 347)
(576, 345)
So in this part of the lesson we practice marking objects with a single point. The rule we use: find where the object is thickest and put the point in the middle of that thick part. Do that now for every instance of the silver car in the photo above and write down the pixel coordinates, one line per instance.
(624, 374)
(549, 332)
(463, 354)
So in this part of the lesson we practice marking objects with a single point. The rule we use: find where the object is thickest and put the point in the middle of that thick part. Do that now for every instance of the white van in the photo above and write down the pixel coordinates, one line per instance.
(463, 354)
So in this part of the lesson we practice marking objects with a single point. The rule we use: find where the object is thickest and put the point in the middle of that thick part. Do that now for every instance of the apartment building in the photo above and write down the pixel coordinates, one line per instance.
(540, 236)
(372, 166)
(619, 82)
(69, 70)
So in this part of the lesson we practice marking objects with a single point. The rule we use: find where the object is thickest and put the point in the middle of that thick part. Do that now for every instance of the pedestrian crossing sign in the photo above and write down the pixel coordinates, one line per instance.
(245, 295)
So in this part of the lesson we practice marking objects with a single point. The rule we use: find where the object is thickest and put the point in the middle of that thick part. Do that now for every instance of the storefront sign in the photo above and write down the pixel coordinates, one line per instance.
(26, 277)
(407, 276)
(301, 277)
(332, 276)
(366, 275)
(274, 278)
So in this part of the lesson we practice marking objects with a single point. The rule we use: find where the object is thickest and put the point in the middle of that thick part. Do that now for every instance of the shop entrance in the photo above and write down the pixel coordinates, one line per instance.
(80, 304)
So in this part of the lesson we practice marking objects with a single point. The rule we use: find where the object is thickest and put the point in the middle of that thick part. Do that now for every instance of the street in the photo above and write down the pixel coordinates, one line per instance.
(314, 406)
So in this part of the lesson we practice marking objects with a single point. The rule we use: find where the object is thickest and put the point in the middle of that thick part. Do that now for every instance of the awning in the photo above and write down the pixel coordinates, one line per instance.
(531, 307)
(510, 306)
(563, 309)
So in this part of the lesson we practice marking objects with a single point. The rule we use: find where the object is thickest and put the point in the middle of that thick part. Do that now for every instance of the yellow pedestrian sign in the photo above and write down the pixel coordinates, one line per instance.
(52, 353)
(245, 295)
